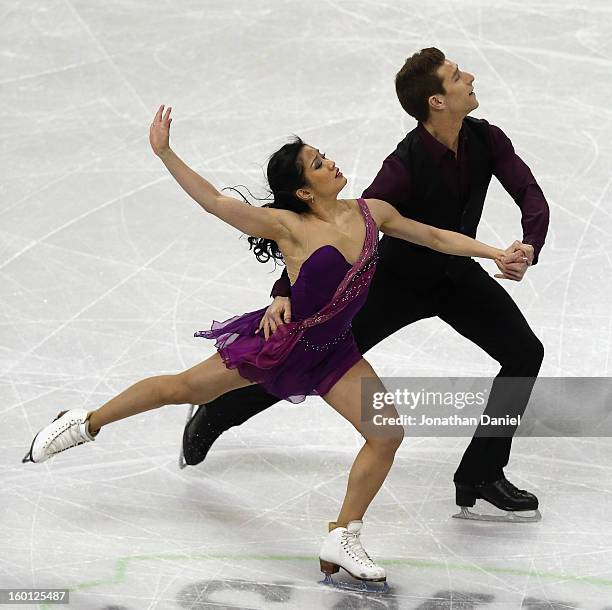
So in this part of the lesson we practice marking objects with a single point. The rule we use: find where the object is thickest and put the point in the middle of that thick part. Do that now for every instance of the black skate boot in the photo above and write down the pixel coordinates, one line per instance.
(513, 504)
(198, 437)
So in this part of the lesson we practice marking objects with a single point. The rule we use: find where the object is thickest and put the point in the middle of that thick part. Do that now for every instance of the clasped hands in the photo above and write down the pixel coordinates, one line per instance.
(514, 263)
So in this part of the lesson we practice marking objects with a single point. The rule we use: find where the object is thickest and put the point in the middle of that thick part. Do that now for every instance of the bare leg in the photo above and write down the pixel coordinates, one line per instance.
(199, 384)
(375, 458)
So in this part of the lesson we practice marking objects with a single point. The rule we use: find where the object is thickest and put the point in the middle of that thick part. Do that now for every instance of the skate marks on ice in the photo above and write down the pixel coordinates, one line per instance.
(233, 594)
(412, 587)
(201, 596)
(213, 593)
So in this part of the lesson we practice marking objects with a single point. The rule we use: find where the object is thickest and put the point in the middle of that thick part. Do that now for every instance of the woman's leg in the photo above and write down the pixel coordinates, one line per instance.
(201, 383)
(374, 460)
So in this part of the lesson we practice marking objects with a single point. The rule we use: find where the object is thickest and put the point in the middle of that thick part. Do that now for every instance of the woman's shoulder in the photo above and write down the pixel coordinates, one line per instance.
(287, 216)
(294, 233)
(380, 210)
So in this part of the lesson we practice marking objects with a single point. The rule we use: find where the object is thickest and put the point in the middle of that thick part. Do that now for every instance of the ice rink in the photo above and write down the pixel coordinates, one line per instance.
(108, 268)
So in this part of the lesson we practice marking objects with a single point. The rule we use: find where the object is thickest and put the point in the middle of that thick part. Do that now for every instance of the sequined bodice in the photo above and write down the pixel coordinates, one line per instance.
(319, 277)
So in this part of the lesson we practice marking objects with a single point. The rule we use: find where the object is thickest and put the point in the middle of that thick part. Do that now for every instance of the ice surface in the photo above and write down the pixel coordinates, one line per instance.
(108, 268)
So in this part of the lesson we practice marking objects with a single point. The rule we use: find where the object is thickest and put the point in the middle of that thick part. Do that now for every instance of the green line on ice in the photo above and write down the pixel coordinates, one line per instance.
(122, 565)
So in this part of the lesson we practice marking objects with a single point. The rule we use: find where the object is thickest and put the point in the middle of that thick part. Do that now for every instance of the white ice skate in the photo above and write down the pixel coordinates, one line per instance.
(68, 429)
(342, 549)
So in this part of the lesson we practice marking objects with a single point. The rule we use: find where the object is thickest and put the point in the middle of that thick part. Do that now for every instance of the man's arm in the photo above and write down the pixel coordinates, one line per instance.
(279, 310)
(391, 184)
(516, 177)
(282, 286)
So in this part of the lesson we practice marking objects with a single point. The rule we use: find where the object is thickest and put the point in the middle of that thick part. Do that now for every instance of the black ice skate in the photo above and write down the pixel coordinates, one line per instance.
(505, 502)
(198, 437)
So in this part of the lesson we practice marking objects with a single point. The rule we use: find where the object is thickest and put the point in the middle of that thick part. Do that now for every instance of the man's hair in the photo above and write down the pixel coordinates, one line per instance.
(417, 81)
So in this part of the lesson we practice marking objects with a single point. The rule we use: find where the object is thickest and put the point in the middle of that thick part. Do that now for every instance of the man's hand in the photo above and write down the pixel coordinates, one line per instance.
(519, 257)
(278, 313)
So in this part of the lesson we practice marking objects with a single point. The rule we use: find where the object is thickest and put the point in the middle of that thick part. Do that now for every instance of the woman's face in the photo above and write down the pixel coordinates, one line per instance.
(323, 177)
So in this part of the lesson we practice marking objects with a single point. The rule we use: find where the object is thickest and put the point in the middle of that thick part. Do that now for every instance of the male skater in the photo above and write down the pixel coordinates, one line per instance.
(439, 175)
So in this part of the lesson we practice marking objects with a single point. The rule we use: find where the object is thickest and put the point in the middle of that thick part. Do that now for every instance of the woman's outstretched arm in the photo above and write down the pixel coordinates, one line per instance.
(256, 221)
(392, 223)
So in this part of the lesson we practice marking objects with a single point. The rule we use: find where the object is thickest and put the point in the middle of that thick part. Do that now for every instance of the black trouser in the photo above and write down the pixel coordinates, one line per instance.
(476, 306)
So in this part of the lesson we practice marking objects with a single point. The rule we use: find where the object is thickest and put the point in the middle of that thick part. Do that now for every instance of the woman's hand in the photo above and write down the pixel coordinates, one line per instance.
(515, 262)
(159, 132)
(278, 313)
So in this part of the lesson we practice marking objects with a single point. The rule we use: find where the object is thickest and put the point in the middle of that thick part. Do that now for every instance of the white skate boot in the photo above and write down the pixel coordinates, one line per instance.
(342, 549)
(68, 429)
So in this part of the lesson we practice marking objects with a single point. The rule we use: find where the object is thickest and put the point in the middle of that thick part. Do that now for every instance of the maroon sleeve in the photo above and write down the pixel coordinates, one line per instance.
(282, 286)
(391, 184)
(516, 177)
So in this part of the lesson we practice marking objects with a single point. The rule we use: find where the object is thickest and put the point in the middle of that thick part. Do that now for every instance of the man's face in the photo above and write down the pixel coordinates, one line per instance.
(459, 98)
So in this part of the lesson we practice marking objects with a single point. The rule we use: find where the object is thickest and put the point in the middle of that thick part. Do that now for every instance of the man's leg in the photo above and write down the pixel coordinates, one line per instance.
(391, 305)
(214, 418)
(481, 310)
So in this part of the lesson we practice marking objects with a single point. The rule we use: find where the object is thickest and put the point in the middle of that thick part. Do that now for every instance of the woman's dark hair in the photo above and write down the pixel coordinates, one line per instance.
(285, 175)
(418, 80)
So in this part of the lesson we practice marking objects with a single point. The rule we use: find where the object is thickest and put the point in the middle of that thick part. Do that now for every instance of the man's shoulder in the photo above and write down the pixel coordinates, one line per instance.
(392, 163)
(475, 120)
(490, 135)
(409, 146)
(494, 136)
(411, 135)
(478, 124)
(484, 125)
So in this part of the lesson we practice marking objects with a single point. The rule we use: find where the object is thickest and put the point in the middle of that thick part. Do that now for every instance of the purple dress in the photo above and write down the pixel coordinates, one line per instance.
(308, 355)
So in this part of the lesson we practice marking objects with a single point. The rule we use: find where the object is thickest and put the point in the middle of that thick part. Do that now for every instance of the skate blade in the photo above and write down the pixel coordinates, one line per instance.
(28, 456)
(360, 586)
(509, 516)
(182, 464)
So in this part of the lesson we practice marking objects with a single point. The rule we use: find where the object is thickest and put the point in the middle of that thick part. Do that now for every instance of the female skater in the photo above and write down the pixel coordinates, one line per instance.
(330, 248)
